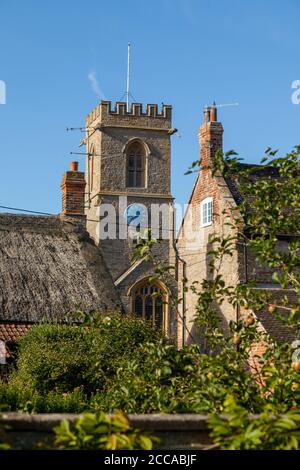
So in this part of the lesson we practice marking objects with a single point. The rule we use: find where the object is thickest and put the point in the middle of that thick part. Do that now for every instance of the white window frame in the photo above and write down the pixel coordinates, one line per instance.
(205, 202)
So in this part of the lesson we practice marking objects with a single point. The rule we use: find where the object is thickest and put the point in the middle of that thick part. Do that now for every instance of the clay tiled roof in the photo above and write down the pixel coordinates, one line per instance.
(10, 332)
(13, 331)
(276, 328)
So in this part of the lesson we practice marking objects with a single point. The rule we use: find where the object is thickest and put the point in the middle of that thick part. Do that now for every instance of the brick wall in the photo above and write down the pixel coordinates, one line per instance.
(73, 188)
(195, 241)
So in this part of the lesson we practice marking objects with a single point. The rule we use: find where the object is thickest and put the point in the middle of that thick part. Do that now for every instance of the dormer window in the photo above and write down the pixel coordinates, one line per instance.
(135, 165)
(206, 209)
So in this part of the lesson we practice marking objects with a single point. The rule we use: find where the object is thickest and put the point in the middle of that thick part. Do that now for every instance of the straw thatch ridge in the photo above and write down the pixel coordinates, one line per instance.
(48, 268)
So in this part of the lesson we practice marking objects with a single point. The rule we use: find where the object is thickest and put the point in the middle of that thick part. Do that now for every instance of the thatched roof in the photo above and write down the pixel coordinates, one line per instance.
(48, 268)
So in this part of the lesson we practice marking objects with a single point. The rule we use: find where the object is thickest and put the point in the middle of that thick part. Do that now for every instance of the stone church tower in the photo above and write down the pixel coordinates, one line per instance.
(128, 190)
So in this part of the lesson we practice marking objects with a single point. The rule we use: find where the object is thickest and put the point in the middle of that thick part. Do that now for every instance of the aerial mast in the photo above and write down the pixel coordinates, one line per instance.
(128, 78)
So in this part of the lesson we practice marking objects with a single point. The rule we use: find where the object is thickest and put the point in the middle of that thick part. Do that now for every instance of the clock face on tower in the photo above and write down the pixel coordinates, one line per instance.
(136, 215)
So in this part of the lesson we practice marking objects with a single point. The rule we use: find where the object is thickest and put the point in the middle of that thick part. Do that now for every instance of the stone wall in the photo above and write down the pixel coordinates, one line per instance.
(178, 431)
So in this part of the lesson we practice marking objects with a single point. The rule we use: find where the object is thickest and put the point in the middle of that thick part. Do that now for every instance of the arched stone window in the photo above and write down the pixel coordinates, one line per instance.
(136, 165)
(150, 302)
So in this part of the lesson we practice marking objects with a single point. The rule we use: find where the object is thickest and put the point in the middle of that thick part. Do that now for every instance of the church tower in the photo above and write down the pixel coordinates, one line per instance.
(128, 190)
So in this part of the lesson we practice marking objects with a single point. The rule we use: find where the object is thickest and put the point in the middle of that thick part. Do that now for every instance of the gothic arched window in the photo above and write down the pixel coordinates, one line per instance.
(149, 301)
(135, 165)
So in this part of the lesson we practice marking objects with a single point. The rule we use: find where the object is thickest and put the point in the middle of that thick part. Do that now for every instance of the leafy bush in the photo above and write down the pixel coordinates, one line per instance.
(61, 358)
(162, 379)
(16, 397)
(269, 431)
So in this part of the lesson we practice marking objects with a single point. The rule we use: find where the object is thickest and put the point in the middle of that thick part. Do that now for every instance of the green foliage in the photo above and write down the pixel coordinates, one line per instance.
(269, 430)
(68, 368)
(185, 381)
(17, 397)
(63, 358)
(95, 431)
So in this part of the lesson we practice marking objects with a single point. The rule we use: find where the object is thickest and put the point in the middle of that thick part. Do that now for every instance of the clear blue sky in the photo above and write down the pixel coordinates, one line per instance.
(185, 52)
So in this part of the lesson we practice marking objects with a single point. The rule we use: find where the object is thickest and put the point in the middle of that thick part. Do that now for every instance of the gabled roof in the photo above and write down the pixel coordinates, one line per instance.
(49, 268)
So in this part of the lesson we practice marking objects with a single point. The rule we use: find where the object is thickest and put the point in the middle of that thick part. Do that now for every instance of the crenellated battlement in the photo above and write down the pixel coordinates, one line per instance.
(104, 109)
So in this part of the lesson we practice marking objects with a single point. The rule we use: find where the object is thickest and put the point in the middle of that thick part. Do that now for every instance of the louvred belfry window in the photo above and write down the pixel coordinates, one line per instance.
(136, 166)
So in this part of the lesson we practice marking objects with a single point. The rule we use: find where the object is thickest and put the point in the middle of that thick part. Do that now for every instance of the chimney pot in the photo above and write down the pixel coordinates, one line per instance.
(213, 113)
(74, 166)
(206, 114)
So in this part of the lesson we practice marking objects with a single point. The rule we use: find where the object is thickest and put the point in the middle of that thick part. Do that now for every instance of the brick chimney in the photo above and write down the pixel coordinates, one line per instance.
(210, 136)
(73, 189)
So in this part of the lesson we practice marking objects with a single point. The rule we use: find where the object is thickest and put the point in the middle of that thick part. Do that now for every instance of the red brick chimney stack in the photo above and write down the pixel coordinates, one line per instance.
(73, 191)
(210, 136)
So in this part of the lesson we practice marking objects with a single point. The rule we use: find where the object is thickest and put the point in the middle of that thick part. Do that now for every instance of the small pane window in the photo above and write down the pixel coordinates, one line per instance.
(206, 211)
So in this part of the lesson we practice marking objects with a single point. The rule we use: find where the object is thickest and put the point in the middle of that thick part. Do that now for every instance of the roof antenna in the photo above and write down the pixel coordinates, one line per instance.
(225, 105)
(128, 78)
(210, 112)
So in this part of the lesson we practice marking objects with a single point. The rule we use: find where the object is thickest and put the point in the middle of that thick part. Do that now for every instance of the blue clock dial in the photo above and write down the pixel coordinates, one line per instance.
(136, 215)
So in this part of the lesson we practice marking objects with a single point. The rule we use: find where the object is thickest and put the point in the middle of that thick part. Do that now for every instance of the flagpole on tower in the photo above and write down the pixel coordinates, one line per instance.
(128, 78)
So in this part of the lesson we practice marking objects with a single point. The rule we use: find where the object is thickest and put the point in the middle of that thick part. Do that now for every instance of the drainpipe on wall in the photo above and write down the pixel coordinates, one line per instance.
(177, 259)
